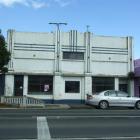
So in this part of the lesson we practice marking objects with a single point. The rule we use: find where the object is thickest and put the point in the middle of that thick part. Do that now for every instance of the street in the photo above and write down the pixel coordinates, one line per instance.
(70, 124)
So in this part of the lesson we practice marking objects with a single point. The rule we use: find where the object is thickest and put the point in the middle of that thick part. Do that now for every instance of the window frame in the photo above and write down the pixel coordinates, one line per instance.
(68, 55)
(100, 84)
(38, 83)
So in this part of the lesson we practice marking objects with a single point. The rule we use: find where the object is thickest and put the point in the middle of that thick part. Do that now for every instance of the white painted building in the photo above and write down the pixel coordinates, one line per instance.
(65, 66)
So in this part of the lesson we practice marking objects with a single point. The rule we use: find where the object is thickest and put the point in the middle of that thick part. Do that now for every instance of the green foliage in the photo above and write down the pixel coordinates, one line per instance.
(131, 75)
(2, 41)
(4, 55)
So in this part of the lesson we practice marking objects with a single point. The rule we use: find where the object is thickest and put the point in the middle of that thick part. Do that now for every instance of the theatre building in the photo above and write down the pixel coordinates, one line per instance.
(63, 67)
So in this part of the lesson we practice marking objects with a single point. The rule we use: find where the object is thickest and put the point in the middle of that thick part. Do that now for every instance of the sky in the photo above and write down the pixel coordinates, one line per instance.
(104, 17)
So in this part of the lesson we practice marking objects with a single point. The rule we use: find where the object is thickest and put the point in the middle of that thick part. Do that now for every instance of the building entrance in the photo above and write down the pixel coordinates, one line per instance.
(18, 85)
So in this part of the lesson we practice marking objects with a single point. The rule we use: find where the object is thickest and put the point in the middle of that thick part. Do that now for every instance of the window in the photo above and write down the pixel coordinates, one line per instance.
(72, 86)
(122, 94)
(112, 94)
(73, 55)
(40, 84)
(102, 83)
(123, 84)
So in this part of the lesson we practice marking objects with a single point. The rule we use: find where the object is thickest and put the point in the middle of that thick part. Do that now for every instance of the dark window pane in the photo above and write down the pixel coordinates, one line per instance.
(123, 87)
(123, 84)
(73, 55)
(102, 83)
(40, 84)
(72, 86)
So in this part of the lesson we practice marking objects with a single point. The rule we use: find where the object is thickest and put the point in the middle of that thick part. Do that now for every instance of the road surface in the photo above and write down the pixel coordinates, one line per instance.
(76, 124)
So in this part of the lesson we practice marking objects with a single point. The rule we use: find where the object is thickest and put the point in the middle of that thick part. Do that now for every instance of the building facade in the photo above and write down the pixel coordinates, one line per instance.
(137, 77)
(65, 66)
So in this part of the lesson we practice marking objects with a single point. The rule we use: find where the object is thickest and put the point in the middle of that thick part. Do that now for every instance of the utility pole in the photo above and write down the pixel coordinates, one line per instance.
(58, 43)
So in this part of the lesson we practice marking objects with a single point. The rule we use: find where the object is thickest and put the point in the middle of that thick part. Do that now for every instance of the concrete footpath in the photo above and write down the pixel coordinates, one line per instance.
(68, 106)
(50, 106)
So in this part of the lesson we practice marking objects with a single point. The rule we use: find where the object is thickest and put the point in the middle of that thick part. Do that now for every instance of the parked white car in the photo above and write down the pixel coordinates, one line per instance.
(112, 98)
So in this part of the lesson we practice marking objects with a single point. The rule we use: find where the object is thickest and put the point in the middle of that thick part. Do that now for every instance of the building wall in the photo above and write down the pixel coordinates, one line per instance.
(42, 54)
(137, 77)
(110, 56)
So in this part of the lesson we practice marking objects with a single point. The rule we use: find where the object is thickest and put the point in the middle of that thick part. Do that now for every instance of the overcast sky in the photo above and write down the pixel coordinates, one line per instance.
(105, 17)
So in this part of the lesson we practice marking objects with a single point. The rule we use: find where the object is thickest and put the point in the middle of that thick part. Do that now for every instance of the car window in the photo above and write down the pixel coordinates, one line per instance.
(106, 93)
(122, 94)
(112, 94)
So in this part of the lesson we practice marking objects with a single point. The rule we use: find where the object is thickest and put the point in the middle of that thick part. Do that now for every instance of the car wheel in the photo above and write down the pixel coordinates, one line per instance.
(103, 105)
(137, 105)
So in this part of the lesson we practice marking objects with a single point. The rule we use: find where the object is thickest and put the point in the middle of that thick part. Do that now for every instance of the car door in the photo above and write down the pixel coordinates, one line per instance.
(125, 100)
(112, 98)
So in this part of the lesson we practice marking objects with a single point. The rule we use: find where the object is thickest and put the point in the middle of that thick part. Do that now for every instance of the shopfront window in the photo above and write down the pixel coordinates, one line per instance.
(102, 83)
(40, 85)
(72, 86)
(123, 84)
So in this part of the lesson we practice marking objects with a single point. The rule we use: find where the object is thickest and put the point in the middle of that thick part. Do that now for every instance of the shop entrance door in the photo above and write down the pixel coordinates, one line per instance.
(18, 85)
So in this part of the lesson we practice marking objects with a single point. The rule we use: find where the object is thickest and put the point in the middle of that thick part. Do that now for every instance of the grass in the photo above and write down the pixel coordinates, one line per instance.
(3, 105)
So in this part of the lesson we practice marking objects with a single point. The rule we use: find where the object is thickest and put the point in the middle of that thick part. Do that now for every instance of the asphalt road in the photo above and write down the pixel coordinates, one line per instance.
(42, 124)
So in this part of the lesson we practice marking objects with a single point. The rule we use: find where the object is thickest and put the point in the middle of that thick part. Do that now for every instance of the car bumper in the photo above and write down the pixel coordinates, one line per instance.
(91, 102)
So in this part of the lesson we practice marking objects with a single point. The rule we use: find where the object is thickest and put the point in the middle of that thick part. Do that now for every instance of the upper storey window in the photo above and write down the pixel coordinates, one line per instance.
(73, 55)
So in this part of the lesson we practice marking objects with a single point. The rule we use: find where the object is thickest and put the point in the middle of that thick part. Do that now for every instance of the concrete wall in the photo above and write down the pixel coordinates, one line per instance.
(111, 56)
(42, 54)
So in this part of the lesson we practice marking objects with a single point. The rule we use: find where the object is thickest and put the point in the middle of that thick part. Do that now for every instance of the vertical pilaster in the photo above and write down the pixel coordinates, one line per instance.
(9, 85)
(10, 45)
(130, 64)
(25, 85)
(57, 88)
(130, 54)
(88, 84)
(116, 83)
(57, 51)
(88, 52)
(88, 76)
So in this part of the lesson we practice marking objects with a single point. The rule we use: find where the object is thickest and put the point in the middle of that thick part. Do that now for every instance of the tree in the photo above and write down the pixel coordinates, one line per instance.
(4, 55)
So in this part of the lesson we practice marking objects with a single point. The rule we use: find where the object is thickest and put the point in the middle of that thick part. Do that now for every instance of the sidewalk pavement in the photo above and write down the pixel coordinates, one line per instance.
(68, 106)
(50, 106)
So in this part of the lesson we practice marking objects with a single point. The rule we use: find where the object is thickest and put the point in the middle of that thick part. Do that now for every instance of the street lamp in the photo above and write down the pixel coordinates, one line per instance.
(58, 24)
(87, 28)
(58, 43)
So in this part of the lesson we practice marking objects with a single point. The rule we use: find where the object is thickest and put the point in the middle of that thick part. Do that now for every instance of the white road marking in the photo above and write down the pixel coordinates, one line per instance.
(74, 117)
(43, 129)
(101, 138)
